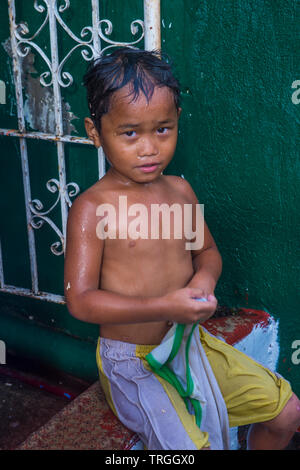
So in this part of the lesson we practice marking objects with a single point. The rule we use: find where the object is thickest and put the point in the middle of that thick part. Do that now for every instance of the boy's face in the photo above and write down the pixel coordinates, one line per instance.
(138, 137)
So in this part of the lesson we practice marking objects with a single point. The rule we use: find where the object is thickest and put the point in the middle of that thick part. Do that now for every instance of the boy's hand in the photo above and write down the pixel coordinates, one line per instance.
(180, 306)
(206, 284)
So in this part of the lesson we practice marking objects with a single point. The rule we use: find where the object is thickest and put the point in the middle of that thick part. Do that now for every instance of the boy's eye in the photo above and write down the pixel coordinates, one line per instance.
(162, 130)
(130, 133)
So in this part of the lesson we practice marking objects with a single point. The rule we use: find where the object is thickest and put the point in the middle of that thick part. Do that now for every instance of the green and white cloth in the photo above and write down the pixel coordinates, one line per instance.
(180, 359)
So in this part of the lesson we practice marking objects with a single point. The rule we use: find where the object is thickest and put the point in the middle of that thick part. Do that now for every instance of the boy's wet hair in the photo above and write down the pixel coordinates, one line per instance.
(144, 70)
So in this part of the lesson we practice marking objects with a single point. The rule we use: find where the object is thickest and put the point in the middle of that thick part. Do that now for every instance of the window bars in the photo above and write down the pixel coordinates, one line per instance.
(92, 42)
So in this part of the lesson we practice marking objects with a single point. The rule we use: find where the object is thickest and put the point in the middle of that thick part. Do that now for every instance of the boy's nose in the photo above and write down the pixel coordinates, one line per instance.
(147, 148)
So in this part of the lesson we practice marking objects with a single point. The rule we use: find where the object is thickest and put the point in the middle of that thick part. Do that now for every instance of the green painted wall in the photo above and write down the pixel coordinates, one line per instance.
(238, 146)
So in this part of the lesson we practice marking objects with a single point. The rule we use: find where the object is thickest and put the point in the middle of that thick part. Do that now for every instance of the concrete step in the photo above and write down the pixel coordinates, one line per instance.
(87, 423)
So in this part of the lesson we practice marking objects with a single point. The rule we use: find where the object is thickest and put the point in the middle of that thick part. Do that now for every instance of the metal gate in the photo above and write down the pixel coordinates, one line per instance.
(92, 42)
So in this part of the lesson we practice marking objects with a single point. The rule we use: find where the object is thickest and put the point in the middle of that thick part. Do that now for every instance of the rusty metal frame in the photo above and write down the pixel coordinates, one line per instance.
(55, 76)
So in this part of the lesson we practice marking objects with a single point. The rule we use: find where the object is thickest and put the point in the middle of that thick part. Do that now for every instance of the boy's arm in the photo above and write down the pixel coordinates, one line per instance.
(207, 261)
(83, 258)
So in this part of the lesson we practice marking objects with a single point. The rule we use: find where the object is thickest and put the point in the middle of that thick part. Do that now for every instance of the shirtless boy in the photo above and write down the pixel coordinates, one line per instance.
(136, 288)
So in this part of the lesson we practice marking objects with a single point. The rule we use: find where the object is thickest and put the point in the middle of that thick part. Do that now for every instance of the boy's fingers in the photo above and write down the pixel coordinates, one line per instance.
(195, 292)
(199, 294)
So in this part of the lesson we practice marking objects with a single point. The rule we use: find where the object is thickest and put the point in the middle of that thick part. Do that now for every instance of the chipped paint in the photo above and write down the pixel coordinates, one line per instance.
(39, 100)
(232, 328)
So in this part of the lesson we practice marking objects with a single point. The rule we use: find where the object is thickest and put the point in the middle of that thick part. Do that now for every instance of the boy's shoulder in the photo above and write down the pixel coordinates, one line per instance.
(180, 184)
(93, 195)
(86, 203)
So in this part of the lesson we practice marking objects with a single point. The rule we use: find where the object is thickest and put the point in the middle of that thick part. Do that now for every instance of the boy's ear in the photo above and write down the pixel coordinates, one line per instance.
(92, 132)
(179, 112)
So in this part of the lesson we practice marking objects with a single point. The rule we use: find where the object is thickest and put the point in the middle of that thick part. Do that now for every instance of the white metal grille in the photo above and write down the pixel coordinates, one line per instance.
(93, 42)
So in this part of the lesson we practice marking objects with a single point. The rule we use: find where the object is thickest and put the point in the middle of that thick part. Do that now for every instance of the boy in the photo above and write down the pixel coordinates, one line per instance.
(136, 288)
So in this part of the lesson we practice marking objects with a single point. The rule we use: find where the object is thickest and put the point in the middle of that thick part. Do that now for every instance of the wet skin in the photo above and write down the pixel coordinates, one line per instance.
(136, 288)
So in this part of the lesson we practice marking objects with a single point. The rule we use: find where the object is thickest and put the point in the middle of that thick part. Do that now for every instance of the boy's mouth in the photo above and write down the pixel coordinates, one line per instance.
(148, 167)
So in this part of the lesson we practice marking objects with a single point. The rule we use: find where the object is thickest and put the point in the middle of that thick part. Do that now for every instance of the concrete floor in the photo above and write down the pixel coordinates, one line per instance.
(26, 402)
(23, 409)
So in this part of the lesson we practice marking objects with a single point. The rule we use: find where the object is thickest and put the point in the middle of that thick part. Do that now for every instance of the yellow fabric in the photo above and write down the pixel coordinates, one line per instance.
(252, 393)
(142, 350)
